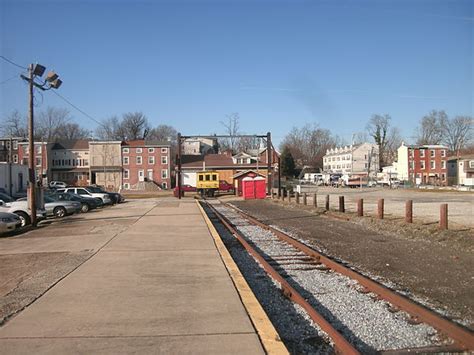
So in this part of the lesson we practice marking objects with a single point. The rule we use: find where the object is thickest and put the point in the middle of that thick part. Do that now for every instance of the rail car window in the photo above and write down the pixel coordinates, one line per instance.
(214, 177)
(208, 177)
(201, 177)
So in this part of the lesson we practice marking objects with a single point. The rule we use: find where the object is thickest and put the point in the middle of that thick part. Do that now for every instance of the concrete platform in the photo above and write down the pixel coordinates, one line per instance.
(158, 286)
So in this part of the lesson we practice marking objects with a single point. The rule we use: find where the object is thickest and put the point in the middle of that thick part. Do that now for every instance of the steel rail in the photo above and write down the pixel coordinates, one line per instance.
(340, 343)
(463, 337)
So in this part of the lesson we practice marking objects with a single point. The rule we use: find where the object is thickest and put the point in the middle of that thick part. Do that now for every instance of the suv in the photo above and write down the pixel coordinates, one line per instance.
(57, 185)
(85, 192)
(20, 208)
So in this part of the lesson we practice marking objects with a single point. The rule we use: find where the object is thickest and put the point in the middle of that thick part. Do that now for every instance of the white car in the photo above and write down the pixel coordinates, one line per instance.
(57, 184)
(84, 192)
(9, 222)
(20, 208)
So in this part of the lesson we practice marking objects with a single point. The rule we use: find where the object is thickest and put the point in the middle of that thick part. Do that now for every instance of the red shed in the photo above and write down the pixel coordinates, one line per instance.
(238, 178)
(260, 187)
(248, 188)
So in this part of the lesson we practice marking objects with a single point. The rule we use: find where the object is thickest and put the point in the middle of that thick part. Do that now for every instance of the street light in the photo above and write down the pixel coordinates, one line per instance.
(52, 81)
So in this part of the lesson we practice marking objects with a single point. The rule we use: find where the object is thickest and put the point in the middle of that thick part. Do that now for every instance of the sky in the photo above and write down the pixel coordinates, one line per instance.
(278, 64)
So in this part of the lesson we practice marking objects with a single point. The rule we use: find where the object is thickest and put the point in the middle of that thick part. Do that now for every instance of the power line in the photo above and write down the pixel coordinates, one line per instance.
(78, 109)
(11, 62)
(7, 80)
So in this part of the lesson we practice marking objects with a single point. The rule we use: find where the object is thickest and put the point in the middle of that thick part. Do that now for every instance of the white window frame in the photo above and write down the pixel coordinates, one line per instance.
(432, 153)
(151, 150)
(38, 149)
(164, 150)
(443, 153)
(15, 158)
(422, 165)
(471, 163)
(432, 164)
(15, 145)
(126, 160)
(126, 174)
(422, 153)
(139, 160)
(164, 159)
(152, 162)
(164, 185)
(126, 150)
(139, 150)
(126, 186)
(443, 164)
(164, 174)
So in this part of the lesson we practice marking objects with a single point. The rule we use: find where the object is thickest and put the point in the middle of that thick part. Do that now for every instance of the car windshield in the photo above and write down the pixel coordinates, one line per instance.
(48, 199)
(95, 189)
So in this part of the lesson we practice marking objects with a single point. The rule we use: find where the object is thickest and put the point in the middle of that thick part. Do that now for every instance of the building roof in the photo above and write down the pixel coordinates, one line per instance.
(79, 144)
(146, 143)
(214, 161)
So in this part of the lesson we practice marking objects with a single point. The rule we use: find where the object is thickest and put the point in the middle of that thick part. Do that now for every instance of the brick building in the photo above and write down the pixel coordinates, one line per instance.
(145, 162)
(70, 162)
(423, 164)
(42, 159)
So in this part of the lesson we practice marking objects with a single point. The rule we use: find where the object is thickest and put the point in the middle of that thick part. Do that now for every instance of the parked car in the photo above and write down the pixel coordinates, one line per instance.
(184, 188)
(57, 185)
(20, 208)
(9, 222)
(84, 191)
(114, 196)
(6, 197)
(61, 208)
(87, 204)
(225, 186)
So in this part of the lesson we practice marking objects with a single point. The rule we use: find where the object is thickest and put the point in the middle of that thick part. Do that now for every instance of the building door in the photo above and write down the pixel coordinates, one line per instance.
(20, 182)
(141, 175)
(150, 174)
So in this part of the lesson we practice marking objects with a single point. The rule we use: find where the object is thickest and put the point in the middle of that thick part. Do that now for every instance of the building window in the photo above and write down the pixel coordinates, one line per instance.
(139, 150)
(125, 160)
(151, 150)
(443, 177)
(471, 163)
(125, 150)
(443, 153)
(126, 186)
(164, 174)
(432, 153)
(422, 153)
(38, 149)
(164, 185)
(139, 160)
(422, 164)
(15, 158)
(432, 164)
(164, 150)
(15, 145)
(86, 162)
(164, 160)
(151, 160)
(443, 164)
(126, 174)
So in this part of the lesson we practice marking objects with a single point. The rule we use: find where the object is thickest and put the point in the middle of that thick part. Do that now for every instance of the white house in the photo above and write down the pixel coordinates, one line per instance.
(353, 159)
(18, 174)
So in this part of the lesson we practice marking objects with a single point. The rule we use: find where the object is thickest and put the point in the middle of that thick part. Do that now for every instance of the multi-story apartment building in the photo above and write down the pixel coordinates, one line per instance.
(70, 162)
(146, 161)
(461, 170)
(199, 146)
(422, 164)
(354, 159)
(9, 149)
(106, 163)
(42, 159)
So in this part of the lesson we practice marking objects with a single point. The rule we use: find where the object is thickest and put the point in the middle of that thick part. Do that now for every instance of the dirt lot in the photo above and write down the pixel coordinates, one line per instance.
(433, 267)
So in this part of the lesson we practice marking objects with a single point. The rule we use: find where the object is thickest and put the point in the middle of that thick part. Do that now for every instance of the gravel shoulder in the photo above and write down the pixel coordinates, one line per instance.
(432, 267)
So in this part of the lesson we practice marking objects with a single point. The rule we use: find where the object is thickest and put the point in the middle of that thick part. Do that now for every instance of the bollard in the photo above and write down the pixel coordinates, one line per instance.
(443, 216)
(315, 200)
(409, 211)
(305, 202)
(360, 207)
(297, 197)
(327, 202)
(380, 208)
(341, 204)
(283, 197)
(289, 197)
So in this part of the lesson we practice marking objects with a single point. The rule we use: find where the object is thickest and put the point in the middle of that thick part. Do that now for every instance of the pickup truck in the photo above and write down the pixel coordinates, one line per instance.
(225, 186)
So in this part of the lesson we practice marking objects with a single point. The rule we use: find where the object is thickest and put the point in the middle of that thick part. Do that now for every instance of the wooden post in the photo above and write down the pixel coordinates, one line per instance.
(315, 200)
(380, 207)
(297, 197)
(305, 201)
(341, 204)
(443, 216)
(289, 197)
(360, 207)
(327, 202)
(409, 211)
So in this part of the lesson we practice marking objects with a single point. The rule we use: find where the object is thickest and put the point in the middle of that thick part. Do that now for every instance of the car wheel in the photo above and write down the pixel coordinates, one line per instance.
(25, 219)
(84, 208)
(59, 212)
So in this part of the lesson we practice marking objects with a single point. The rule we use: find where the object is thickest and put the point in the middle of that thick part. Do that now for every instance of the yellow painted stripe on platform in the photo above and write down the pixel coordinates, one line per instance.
(267, 333)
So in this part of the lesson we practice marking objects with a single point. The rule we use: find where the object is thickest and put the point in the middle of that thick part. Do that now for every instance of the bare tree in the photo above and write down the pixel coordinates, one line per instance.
(49, 122)
(163, 133)
(135, 126)
(378, 128)
(14, 125)
(308, 144)
(394, 140)
(72, 131)
(430, 130)
(110, 129)
(360, 137)
(458, 133)
(232, 128)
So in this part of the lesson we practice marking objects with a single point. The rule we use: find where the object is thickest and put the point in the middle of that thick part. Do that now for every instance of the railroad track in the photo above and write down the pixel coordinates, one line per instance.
(357, 313)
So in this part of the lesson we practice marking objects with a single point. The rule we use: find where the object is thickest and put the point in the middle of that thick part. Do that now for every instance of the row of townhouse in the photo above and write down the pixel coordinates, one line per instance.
(113, 164)
(353, 159)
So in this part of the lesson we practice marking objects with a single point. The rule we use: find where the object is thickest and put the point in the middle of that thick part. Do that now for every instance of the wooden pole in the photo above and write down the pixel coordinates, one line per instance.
(341, 204)
(380, 208)
(443, 216)
(327, 202)
(315, 200)
(360, 207)
(409, 211)
(305, 201)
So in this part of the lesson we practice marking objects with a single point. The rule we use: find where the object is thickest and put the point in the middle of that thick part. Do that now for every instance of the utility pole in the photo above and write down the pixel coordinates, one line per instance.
(178, 177)
(10, 162)
(31, 151)
(269, 164)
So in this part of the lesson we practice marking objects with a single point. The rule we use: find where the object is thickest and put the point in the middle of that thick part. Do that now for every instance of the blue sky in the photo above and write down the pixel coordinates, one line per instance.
(277, 63)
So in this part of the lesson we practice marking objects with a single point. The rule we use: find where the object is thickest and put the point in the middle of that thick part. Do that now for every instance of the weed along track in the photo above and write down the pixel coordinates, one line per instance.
(349, 313)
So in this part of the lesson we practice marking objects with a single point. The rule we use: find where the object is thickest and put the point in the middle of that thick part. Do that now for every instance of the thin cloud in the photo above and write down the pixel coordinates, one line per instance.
(421, 97)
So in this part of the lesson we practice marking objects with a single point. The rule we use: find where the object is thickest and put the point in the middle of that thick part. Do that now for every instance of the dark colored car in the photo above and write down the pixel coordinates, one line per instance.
(225, 186)
(114, 196)
(87, 204)
(184, 188)
(6, 197)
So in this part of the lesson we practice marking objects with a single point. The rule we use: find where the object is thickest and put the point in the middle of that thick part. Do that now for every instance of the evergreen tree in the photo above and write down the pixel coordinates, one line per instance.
(287, 163)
